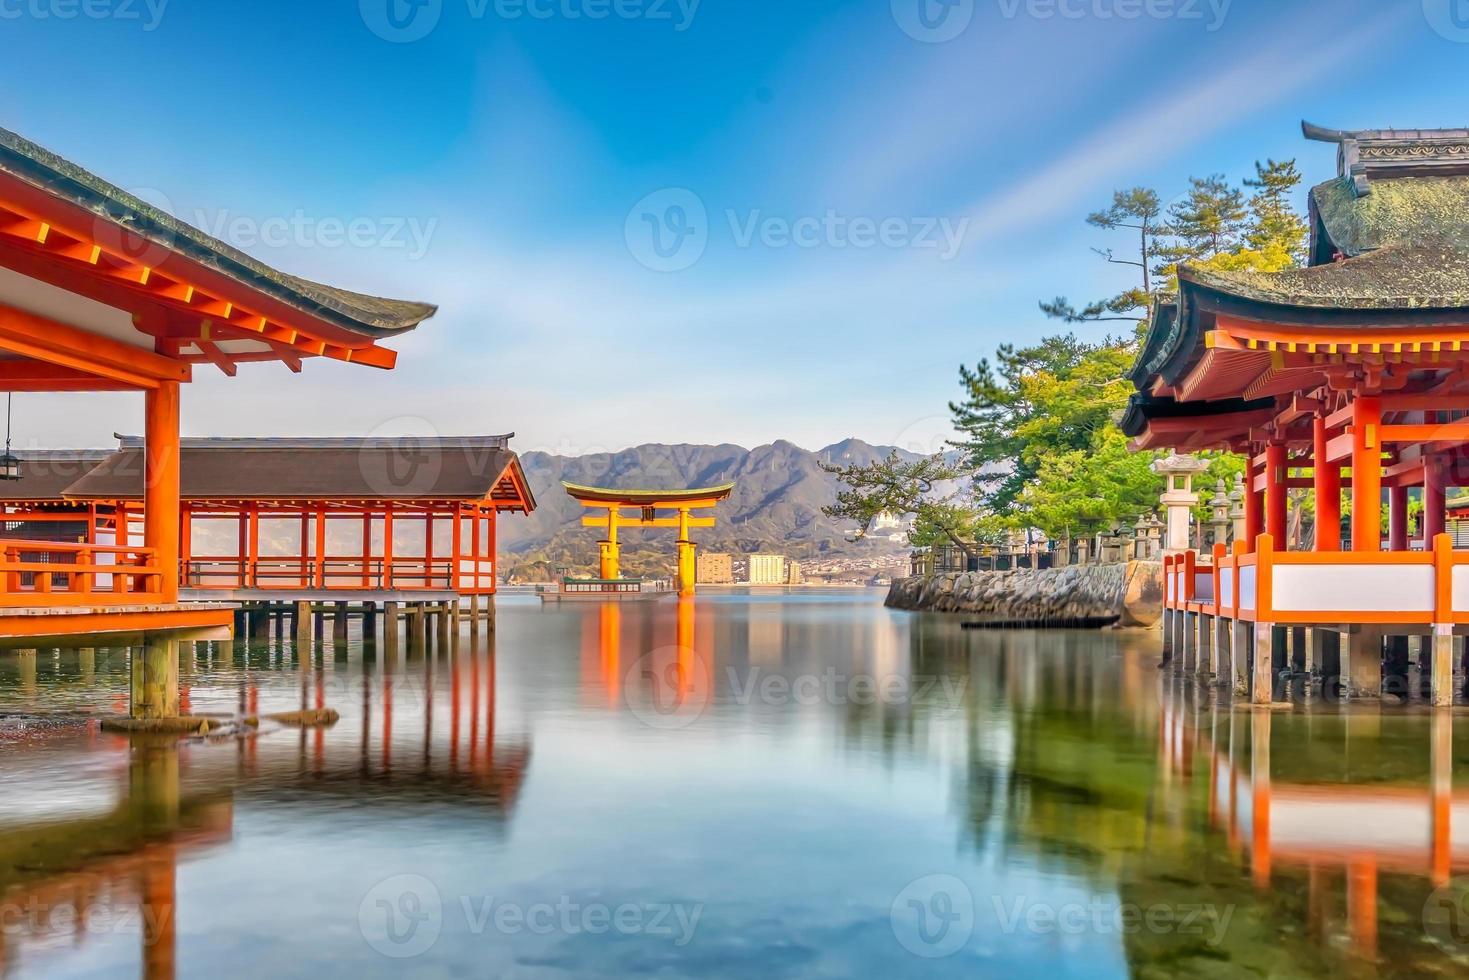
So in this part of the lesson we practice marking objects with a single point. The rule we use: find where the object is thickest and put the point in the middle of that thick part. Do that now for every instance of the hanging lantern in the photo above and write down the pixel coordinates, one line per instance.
(9, 464)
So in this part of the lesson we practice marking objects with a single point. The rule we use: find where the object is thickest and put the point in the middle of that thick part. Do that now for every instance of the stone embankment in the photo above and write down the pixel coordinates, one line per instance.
(1083, 595)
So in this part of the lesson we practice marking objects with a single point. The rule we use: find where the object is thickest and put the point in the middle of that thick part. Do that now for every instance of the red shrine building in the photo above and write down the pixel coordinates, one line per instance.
(285, 520)
(101, 292)
(1347, 379)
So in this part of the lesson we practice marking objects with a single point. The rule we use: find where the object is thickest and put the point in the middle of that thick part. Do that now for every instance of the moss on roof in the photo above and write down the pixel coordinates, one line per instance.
(372, 316)
(1404, 211)
(1394, 277)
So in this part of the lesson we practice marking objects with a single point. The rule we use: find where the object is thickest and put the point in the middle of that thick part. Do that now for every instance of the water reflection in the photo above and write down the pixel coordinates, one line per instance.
(792, 767)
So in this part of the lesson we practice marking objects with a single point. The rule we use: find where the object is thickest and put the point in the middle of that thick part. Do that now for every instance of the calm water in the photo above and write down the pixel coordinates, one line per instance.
(784, 785)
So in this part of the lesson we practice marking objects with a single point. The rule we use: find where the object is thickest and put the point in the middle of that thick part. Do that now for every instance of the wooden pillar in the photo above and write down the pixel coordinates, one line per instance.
(392, 623)
(1397, 535)
(367, 550)
(1434, 503)
(1327, 477)
(320, 573)
(1254, 503)
(456, 545)
(252, 579)
(186, 542)
(302, 625)
(154, 680)
(243, 549)
(1361, 671)
(339, 623)
(1276, 509)
(387, 546)
(1366, 474)
(369, 621)
(161, 508)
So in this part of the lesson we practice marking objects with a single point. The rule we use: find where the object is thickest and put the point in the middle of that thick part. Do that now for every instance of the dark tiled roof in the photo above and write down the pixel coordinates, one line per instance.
(370, 316)
(463, 470)
(44, 474)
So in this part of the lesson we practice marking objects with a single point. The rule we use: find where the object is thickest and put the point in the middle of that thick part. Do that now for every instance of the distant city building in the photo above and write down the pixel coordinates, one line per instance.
(793, 573)
(714, 568)
(767, 570)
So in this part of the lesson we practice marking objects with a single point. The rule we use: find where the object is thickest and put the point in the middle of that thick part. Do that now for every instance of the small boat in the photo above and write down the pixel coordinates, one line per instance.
(610, 590)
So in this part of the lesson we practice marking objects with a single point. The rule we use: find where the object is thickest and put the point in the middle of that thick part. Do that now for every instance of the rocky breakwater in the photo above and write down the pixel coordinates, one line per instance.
(1083, 595)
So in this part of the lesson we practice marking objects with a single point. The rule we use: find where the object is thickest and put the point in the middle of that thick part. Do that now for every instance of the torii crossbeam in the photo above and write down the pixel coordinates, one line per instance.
(648, 503)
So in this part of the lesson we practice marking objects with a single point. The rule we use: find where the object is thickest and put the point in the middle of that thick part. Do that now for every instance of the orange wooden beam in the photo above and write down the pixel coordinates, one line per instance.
(43, 339)
(216, 356)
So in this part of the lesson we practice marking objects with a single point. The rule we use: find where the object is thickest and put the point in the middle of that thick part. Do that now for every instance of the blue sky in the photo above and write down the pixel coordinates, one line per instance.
(849, 200)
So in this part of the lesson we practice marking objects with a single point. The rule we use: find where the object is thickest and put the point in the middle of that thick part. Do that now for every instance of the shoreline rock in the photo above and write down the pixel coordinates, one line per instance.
(1127, 595)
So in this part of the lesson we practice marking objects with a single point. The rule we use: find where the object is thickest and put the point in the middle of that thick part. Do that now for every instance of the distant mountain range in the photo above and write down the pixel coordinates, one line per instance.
(776, 507)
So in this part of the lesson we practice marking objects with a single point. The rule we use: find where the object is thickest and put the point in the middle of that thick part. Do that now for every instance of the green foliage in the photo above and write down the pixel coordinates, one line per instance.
(895, 486)
(1038, 424)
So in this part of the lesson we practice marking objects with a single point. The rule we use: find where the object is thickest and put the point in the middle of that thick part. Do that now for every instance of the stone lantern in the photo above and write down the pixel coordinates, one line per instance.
(1179, 499)
(1237, 507)
(1149, 537)
(1219, 515)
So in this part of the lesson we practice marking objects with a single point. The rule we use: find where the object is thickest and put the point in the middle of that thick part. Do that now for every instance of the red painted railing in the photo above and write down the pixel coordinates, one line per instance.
(344, 574)
(51, 573)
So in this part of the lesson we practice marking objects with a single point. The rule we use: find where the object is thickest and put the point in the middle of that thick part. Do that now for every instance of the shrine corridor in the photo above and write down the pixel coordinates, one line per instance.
(784, 785)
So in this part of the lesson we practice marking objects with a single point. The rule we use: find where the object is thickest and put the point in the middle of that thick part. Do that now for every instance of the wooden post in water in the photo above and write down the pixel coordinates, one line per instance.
(339, 624)
(155, 680)
(302, 626)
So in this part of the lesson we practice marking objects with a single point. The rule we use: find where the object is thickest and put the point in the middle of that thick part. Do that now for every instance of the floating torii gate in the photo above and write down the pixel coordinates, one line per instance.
(648, 503)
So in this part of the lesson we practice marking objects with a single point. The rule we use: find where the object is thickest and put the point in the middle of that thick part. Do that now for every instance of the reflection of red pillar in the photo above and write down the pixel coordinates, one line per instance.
(1260, 799)
(387, 723)
(159, 893)
(1315, 902)
(610, 644)
(454, 716)
(1362, 906)
(1442, 788)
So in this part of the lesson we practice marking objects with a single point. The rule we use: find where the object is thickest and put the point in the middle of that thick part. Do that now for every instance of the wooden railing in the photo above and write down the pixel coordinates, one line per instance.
(1409, 588)
(344, 574)
(51, 573)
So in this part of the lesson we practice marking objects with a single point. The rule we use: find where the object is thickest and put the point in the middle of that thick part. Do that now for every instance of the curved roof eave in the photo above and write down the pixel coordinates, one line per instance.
(369, 316)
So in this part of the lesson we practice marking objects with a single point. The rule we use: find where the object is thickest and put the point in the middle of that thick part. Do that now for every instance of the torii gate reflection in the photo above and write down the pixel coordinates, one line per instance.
(629, 667)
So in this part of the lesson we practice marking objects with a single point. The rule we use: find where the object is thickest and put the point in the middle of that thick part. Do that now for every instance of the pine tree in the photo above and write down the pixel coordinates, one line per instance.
(1138, 210)
(1274, 223)
(1210, 220)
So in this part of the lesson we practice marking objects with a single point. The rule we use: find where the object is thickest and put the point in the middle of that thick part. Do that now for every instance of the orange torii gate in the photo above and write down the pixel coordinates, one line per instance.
(648, 503)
